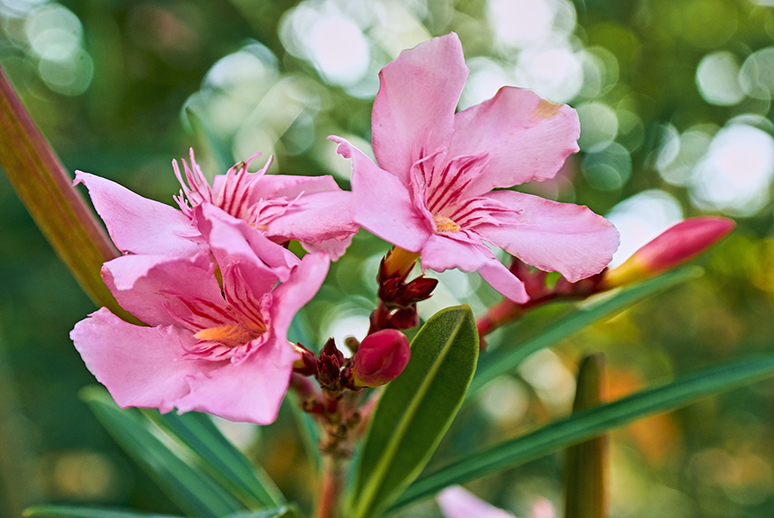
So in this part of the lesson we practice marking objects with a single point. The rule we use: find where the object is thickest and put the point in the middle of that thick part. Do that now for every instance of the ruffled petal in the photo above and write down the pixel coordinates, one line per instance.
(233, 240)
(333, 247)
(414, 108)
(526, 138)
(456, 502)
(139, 225)
(443, 253)
(249, 391)
(140, 366)
(276, 185)
(382, 204)
(142, 284)
(316, 218)
(291, 295)
(562, 237)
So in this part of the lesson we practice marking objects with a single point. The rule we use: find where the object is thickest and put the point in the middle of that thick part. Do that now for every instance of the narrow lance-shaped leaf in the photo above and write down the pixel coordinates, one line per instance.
(585, 464)
(590, 423)
(509, 355)
(415, 410)
(193, 491)
(279, 512)
(47, 191)
(66, 511)
(221, 459)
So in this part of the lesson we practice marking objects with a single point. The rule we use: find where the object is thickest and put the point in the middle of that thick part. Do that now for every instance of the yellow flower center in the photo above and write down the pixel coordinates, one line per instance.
(444, 224)
(234, 334)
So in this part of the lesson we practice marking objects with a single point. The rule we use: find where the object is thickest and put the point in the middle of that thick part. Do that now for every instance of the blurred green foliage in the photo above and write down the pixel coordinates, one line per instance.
(675, 103)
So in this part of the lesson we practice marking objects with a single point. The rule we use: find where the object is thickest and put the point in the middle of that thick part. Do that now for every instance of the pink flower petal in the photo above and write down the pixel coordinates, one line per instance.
(250, 390)
(414, 108)
(381, 203)
(139, 225)
(316, 218)
(456, 502)
(276, 185)
(501, 279)
(525, 136)
(140, 366)
(333, 247)
(443, 253)
(141, 283)
(552, 236)
(233, 240)
(303, 284)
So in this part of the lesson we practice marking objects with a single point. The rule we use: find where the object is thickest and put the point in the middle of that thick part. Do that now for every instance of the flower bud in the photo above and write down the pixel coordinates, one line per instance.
(382, 356)
(307, 364)
(420, 289)
(329, 364)
(676, 245)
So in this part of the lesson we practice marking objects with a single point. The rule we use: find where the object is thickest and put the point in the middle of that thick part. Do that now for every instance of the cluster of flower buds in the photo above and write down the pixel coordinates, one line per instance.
(397, 298)
(673, 247)
(377, 360)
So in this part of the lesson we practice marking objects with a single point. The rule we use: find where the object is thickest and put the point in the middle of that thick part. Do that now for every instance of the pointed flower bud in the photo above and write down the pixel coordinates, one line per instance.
(382, 356)
(307, 364)
(420, 289)
(329, 364)
(676, 245)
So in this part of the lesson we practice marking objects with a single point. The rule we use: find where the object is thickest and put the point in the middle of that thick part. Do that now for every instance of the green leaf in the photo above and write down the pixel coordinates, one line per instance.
(64, 511)
(585, 463)
(415, 410)
(591, 423)
(507, 357)
(279, 512)
(225, 463)
(193, 491)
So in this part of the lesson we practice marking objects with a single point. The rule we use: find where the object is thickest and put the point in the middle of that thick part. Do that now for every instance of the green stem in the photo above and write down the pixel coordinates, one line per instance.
(332, 484)
(46, 190)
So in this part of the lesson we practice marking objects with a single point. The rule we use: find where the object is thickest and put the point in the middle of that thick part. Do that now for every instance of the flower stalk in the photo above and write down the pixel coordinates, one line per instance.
(45, 188)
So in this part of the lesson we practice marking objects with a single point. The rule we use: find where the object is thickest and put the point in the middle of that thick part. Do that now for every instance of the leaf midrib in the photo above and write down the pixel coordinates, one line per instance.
(370, 490)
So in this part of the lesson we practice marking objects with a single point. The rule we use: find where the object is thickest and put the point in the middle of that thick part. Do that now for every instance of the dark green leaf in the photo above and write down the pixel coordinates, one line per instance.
(415, 410)
(591, 423)
(193, 491)
(585, 463)
(507, 357)
(214, 453)
(63, 511)
(278, 512)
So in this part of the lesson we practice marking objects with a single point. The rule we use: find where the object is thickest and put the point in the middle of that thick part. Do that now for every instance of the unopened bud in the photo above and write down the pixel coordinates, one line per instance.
(420, 288)
(307, 364)
(382, 356)
(329, 364)
(676, 245)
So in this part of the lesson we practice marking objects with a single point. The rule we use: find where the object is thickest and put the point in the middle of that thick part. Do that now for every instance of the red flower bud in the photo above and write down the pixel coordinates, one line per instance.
(382, 356)
(329, 364)
(420, 289)
(676, 245)
(307, 364)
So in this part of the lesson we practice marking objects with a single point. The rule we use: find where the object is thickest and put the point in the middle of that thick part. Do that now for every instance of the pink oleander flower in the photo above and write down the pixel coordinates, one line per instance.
(456, 502)
(433, 191)
(310, 209)
(212, 347)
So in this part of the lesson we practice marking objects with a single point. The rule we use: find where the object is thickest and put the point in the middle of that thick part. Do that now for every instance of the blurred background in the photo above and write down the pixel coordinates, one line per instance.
(674, 99)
